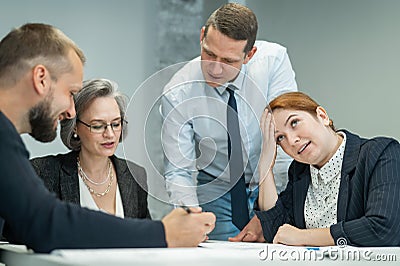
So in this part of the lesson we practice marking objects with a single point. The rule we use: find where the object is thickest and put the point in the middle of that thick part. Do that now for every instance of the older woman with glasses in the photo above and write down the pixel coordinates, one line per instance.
(91, 175)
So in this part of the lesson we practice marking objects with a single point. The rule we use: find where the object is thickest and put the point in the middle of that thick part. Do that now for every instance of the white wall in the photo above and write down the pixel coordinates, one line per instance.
(346, 55)
(114, 36)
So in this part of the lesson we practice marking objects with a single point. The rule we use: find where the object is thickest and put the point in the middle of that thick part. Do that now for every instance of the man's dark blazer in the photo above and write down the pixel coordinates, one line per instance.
(35, 217)
(60, 175)
(368, 210)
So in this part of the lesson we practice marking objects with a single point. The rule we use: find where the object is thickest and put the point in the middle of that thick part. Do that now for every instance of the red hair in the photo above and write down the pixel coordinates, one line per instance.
(296, 101)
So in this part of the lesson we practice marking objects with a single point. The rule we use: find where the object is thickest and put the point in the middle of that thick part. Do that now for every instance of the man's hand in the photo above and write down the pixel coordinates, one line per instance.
(252, 232)
(187, 230)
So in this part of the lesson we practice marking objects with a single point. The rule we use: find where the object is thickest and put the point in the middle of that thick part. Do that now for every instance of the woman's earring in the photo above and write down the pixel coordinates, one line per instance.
(75, 135)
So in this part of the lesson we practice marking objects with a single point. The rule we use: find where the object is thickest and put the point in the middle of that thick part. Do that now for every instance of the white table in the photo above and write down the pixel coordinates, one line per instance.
(213, 253)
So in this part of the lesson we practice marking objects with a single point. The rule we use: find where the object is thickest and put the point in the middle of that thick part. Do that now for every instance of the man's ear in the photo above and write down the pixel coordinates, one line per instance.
(202, 33)
(323, 115)
(250, 54)
(41, 79)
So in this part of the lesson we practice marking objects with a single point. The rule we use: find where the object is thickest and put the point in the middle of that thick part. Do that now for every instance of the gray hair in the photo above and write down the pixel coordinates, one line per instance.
(92, 89)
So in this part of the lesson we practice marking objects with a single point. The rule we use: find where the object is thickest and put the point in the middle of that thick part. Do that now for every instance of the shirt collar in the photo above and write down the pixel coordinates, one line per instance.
(331, 169)
(237, 83)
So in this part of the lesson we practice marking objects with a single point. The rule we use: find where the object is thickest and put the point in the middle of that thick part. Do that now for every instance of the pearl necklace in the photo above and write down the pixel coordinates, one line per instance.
(80, 170)
(85, 178)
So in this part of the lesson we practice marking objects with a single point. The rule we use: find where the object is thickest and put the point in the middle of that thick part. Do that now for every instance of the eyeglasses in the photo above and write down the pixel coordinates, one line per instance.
(101, 127)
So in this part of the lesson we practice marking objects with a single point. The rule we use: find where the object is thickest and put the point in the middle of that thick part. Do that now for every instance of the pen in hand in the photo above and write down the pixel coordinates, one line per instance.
(186, 208)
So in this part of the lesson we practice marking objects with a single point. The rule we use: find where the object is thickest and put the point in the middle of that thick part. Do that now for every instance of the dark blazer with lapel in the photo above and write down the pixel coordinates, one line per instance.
(34, 217)
(60, 175)
(368, 210)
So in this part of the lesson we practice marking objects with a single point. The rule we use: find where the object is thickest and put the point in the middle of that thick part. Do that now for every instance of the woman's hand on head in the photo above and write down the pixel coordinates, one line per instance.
(268, 151)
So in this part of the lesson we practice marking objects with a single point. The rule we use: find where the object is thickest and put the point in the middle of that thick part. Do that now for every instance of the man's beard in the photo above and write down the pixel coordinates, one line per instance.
(41, 121)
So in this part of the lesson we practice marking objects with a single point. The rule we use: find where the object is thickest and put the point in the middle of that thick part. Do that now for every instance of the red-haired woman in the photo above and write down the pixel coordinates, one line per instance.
(343, 189)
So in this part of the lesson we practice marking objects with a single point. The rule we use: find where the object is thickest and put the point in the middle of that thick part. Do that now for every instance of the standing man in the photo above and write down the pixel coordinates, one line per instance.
(40, 71)
(211, 110)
